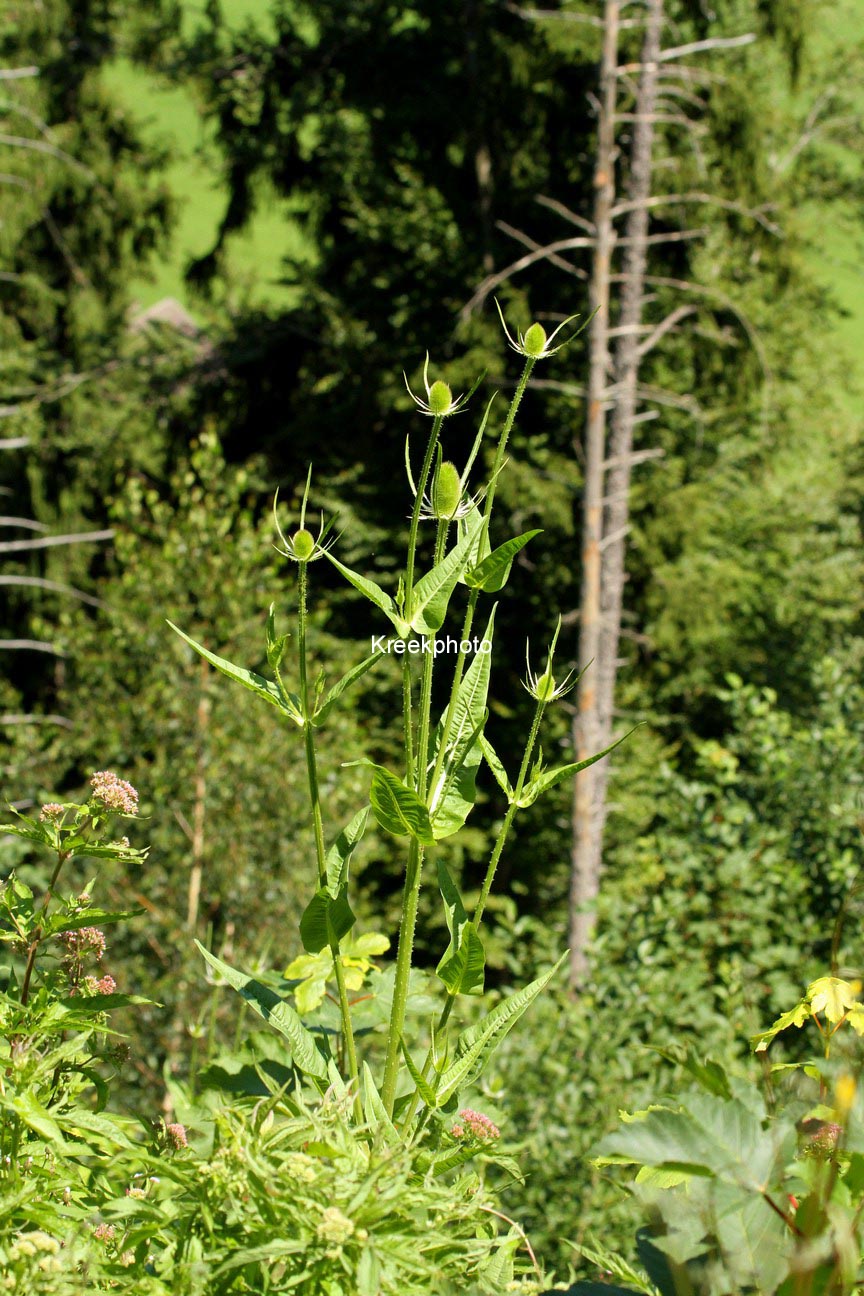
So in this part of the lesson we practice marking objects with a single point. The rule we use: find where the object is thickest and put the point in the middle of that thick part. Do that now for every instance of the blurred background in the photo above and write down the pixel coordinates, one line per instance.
(225, 231)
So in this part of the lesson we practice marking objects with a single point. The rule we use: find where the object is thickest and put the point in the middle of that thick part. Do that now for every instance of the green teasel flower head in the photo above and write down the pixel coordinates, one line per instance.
(544, 687)
(448, 498)
(534, 343)
(302, 546)
(440, 401)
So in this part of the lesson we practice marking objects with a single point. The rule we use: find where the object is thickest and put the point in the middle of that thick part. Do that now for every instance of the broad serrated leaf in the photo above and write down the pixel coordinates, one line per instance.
(493, 572)
(289, 705)
(326, 919)
(796, 1016)
(344, 683)
(475, 1045)
(277, 1013)
(339, 855)
(432, 592)
(398, 808)
(833, 997)
(462, 966)
(707, 1136)
(374, 593)
(547, 779)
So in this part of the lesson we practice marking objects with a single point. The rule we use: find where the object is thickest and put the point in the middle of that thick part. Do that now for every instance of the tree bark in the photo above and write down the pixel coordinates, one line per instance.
(604, 577)
(586, 807)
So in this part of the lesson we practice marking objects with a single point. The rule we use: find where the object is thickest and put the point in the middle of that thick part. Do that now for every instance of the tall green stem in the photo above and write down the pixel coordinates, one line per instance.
(509, 420)
(497, 851)
(320, 854)
(413, 878)
(408, 606)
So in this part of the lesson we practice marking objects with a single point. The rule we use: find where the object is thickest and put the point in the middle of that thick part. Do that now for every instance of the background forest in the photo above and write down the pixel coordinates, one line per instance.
(225, 231)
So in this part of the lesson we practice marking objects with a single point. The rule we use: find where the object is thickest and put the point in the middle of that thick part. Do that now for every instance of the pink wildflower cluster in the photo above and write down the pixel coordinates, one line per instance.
(104, 1232)
(102, 985)
(51, 812)
(475, 1125)
(86, 940)
(175, 1135)
(114, 793)
(823, 1139)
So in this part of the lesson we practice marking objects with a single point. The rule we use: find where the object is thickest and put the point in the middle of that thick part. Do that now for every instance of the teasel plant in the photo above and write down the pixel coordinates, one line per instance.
(425, 801)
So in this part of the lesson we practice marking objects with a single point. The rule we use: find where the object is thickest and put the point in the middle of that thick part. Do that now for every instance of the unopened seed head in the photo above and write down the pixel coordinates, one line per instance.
(534, 341)
(440, 398)
(446, 491)
(304, 544)
(545, 688)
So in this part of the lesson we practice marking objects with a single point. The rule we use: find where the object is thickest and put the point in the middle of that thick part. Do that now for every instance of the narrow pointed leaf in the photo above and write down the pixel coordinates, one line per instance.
(469, 710)
(373, 592)
(326, 919)
(432, 592)
(462, 965)
(399, 809)
(344, 683)
(423, 1087)
(257, 684)
(277, 1013)
(550, 778)
(339, 855)
(476, 1045)
(373, 1108)
(492, 573)
(496, 767)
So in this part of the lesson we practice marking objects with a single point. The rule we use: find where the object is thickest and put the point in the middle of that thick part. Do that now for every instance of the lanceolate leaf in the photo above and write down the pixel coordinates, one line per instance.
(326, 919)
(373, 592)
(255, 683)
(547, 779)
(463, 963)
(345, 682)
(432, 592)
(425, 1090)
(399, 809)
(339, 854)
(492, 573)
(496, 767)
(277, 1013)
(469, 710)
(476, 1045)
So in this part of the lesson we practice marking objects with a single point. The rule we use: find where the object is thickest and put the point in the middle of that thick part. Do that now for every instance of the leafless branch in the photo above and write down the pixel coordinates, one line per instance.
(491, 282)
(36, 719)
(662, 396)
(675, 317)
(522, 237)
(636, 456)
(50, 542)
(15, 74)
(687, 285)
(554, 205)
(37, 645)
(39, 582)
(590, 20)
(14, 443)
(662, 200)
(712, 43)
(27, 523)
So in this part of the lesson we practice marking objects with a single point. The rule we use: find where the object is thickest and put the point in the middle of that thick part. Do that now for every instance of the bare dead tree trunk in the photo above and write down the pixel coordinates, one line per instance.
(586, 806)
(626, 374)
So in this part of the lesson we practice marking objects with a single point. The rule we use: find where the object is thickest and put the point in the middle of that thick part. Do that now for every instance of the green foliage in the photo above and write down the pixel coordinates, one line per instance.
(754, 1190)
